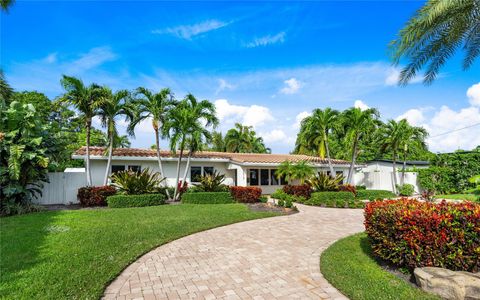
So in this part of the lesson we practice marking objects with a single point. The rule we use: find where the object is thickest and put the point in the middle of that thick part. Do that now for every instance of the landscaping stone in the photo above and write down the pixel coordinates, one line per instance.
(455, 285)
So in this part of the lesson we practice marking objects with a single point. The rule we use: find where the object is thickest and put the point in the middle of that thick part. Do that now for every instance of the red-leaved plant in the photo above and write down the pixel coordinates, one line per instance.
(303, 190)
(247, 194)
(95, 195)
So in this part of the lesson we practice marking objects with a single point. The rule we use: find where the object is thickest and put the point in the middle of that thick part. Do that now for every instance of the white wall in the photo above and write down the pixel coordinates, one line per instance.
(383, 180)
(62, 188)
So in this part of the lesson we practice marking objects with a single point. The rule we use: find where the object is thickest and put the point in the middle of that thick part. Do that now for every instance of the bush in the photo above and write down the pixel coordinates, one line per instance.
(136, 183)
(413, 234)
(348, 188)
(360, 187)
(120, 201)
(281, 195)
(406, 190)
(95, 195)
(211, 183)
(207, 198)
(303, 190)
(264, 199)
(246, 194)
(281, 202)
(331, 199)
(374, 194)
(323, 182)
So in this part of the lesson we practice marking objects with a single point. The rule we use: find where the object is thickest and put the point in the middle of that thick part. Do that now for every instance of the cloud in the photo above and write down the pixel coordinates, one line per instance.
(267, 40)
(299, 118)
(276, 135)
(393, 75)
(360, 104)
(414, 116)
(51, 58)
(187, 32)
(292, 86)
(253, 115)
(473, 94)
(224, 85)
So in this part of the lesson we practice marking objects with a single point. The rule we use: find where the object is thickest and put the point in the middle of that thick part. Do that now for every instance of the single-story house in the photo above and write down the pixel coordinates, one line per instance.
(240, 169)
(386, 165)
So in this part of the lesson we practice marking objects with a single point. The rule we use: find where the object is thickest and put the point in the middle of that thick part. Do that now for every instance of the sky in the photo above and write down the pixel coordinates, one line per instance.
(263, 64)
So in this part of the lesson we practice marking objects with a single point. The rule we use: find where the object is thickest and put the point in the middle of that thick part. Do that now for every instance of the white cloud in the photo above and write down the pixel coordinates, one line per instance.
(360, 104)
(267, 40)
(292, 86)
(393, 75)
(187, 32)
(253, 115)
(414, 116)
(51, 58)
(299, 118)
(276, 135)
(224, 85)
(93, 58)
(473, 94)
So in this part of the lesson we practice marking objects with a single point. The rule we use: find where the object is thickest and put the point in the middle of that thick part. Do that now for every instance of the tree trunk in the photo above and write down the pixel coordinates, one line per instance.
(404, 166)
(394, 162)
(352, 164)
(332, 172)
(109, 161)
(188, 166)
(175, 194)
(87, 160)
(160, 167)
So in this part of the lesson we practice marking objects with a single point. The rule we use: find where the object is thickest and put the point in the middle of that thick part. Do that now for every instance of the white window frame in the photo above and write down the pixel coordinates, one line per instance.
(202, 171)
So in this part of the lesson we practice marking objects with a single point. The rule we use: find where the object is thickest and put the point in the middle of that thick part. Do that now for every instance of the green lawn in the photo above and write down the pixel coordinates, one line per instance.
(75, 254)
(350, 267)
(470, 197)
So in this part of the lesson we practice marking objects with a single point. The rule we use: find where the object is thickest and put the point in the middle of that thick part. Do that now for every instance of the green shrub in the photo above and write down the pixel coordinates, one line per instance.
(136, 183)
(281, 202)
(406, 190)
(264, 199)
(330, 199)
(280, 194)
(119, 201)
(211, 183)
(323, 182)
(288, 203)
(374, 194)
(207, 198)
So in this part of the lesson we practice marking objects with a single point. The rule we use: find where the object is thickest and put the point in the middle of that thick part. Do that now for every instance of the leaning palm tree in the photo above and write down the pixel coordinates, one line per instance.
(357, 124)
(154, 106)
(114, 105)
(87, 100)
(434, 33)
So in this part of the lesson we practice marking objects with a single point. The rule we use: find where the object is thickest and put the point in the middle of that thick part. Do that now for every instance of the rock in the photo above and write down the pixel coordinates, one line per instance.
(449, 284)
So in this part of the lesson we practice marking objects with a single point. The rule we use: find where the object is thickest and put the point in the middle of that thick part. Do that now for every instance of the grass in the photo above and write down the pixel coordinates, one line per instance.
(470, 197)
(350, 267)
(75, 254)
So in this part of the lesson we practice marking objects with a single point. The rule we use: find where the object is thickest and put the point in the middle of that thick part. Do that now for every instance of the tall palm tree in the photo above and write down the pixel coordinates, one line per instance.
(412, 138)
(195, 142)
(243, 139)
(154, 106)
(87, 100)
(434, 33)
(301, 171)
(217, 142)
(357, 124)
(186, 120)
(114, 105)
(121, 141)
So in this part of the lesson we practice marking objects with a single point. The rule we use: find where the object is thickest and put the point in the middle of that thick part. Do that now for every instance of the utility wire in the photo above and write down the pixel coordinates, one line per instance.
(448, 132)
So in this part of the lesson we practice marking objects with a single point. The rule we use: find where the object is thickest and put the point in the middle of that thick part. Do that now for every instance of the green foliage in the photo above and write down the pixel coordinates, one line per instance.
(462, 165)
(243, 139)
(323, 182)
(438, 179)
(263, 199)
(136, 183)
(207, 198)
(374, 194)
(211, 183)
(406, 190)
(300, 171)
(280, 194)
(332, 199)
(121, 201)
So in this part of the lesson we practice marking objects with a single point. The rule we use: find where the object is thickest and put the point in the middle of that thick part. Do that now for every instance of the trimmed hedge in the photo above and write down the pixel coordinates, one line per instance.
(246, 194)
(417, 234)
(334, 199)
(281, 195)
(120, 201)
(95, 195)
(207, 198)
(374, 194)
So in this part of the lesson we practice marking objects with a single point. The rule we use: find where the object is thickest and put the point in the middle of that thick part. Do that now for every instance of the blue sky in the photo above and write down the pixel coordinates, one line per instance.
(263, 64)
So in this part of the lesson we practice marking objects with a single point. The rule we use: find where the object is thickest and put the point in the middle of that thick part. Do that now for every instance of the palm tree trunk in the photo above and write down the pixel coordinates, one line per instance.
(87, 160)
(352, 164)
(175, 194)
(188, 166)
(404, 166)
(332, 172)
(109, 161)
(160, 167)
(394, 162)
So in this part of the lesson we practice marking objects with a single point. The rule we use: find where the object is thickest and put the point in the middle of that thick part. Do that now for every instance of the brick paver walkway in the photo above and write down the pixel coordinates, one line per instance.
(273, 258)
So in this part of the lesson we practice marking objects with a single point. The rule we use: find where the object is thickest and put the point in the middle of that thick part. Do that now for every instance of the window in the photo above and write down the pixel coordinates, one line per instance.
(264, 177)
(195, 173)
(117, 168)
(137, 169)
(253, 175)
(207, 171)
(273, 178)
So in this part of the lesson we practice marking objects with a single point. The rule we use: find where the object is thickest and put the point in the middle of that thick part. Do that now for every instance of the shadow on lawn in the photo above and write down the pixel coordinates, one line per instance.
(21, 240)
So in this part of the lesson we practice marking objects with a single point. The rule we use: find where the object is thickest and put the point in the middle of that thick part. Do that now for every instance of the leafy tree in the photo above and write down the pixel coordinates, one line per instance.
(284, 170)
(291, 171)
(243, 139)
(432, 36)
(413, 139)
(87, 100)
(217, 142)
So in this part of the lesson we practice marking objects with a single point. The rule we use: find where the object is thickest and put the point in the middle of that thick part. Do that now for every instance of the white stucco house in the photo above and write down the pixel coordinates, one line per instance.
(240, 169)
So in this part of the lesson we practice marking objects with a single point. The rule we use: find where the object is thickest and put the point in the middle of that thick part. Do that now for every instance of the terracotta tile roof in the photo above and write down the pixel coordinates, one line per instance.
(234, 157)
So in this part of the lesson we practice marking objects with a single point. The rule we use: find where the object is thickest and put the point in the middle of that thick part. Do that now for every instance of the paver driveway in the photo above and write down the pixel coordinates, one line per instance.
(273, 258)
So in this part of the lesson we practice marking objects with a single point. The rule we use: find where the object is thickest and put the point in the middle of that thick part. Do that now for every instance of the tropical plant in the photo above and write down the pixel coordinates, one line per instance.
(357, 124)
(301, 171)
(413, 138)
(218, 142)
(243, 139)
(137, 183)
(323, 182)
(475, 180)
(188, 121)
(432, 36)
(284, 170)
(87, 100)
(155, 107)
(113, 106)
(6, 4)
(211, 183)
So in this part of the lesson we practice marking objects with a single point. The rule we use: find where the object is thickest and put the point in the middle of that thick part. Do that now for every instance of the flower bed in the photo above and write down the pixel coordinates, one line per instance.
(409, 233)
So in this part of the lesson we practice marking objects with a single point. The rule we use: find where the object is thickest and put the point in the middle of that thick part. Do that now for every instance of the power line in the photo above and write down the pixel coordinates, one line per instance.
(454, 130)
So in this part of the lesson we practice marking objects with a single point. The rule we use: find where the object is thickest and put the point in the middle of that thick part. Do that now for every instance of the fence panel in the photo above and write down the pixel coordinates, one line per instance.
(62, 188)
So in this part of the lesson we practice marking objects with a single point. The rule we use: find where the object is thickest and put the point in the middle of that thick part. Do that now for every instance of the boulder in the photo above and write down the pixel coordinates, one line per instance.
(455, 285)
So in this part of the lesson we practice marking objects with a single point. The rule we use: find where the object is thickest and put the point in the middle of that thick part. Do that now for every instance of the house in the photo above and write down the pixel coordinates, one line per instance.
(386, 165)
(240, 169)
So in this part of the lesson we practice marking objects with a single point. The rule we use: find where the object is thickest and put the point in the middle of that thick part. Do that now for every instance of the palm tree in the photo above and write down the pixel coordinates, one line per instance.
(5, 4)
(357, 124)
(243, 139)
(195, 142)
(154, 106)
(301, 171)
(433, 35)
(113, 106)
(87, 100)
(412, 137)
(121, 141)
(189, 118)
(284, 170)
(217, 142)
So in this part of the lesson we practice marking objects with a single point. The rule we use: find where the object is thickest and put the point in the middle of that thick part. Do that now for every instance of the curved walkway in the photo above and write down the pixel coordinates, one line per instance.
(273, 258)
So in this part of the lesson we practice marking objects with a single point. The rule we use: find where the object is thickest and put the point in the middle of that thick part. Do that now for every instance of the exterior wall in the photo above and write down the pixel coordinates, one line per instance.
(383, 180)
(62, 188)
(382, 166)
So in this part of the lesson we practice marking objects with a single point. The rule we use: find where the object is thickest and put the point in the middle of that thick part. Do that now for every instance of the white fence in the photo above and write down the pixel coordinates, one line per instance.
(384, 180)
(62, 188)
